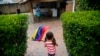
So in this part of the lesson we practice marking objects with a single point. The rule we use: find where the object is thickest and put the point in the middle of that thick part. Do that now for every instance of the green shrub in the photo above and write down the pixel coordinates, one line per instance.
(81, 5)
(82, 33)
(13, 35)
(87, 5)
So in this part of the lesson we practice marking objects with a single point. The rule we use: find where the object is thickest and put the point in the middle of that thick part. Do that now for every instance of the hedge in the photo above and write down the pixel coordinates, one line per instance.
(87, 5)
(82, 33)
(81, 5)
(13, 35)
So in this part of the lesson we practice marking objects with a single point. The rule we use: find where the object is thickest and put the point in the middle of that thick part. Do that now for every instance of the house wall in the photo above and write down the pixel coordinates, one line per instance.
(2, 1)
(44, 0)
(10, 1)
(12, 8)
(69, 6)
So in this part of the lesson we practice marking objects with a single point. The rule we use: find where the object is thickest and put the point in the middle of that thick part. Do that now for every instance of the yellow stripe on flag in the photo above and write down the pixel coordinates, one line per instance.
(34, 34)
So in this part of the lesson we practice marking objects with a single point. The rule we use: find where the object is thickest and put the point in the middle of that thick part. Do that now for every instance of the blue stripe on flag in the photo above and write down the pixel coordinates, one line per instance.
(39, 33)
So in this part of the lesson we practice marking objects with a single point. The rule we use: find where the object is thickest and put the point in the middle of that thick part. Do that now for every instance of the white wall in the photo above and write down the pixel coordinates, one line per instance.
(1, 1)
(16, 1)
(10, 1)
(5, 1)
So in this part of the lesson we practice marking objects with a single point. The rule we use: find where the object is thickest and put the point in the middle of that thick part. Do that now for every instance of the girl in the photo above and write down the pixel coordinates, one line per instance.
(50, 43)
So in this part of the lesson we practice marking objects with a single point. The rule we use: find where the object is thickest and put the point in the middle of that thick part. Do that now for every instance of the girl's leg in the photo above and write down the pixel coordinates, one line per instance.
(51, 54)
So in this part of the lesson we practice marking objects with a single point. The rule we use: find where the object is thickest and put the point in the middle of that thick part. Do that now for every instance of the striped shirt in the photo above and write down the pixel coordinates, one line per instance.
(50, 47)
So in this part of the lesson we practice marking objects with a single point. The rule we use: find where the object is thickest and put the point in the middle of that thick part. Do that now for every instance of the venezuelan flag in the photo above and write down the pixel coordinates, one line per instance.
(40, 33)
(44, 30)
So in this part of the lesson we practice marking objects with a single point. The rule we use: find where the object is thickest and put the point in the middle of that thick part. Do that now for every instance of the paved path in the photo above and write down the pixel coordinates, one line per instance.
(35, 48)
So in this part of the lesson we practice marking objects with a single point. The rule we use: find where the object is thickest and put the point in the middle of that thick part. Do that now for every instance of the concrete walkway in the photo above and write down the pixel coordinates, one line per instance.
(35, 48)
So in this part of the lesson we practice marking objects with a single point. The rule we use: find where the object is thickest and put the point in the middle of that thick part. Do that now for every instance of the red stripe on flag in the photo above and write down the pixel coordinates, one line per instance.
(43, 32)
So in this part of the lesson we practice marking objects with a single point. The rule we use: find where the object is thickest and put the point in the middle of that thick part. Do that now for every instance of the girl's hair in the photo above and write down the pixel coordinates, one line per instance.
(50, 36)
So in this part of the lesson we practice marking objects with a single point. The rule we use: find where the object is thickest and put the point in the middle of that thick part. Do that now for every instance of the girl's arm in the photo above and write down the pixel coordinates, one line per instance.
(45, 45)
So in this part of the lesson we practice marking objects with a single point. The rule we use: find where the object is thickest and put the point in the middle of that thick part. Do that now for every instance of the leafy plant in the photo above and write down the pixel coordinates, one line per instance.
(13, 35)
(82, 33)
(87, 5)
